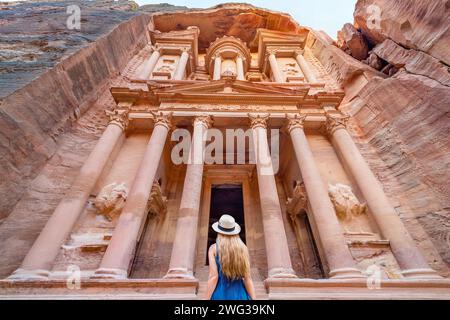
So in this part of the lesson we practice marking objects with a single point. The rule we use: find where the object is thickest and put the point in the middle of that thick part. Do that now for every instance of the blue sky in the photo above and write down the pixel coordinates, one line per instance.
(326, 15)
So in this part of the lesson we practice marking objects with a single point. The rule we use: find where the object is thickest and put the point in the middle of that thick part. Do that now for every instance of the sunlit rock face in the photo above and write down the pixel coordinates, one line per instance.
(34, 41)
(57, 86)
(405, 117)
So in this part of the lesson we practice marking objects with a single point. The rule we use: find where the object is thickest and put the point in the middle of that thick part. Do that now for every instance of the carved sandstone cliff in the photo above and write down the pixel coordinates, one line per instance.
(49, 126)
(50, 75)
(405, 117)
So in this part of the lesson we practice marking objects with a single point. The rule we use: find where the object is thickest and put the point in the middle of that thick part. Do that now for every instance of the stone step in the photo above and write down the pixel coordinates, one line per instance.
(260, 290)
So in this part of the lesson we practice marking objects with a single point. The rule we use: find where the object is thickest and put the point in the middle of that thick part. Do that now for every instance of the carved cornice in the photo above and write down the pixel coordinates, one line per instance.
(258, 120)
(335, 122)
(295, 121)
(204, 120)
(118, 117)
(162, 119)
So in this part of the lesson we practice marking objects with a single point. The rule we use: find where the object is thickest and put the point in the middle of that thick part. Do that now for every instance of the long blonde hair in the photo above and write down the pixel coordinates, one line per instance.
(233, 256)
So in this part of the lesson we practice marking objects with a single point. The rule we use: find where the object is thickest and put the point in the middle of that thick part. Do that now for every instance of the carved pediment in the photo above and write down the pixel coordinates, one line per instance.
(243, 87)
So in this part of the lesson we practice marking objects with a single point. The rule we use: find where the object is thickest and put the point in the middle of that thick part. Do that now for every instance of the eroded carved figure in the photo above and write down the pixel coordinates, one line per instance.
(346, 204)
(111, 199)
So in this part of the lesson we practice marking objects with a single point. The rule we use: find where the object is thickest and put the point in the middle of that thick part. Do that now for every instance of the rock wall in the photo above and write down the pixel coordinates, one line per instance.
(404, 116)
(50, 75)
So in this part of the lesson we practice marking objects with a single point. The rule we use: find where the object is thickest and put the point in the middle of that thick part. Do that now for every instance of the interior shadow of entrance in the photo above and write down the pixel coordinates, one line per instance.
(225, 199)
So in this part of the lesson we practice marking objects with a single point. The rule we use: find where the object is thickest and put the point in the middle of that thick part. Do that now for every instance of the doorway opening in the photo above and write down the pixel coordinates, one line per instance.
(225, 199)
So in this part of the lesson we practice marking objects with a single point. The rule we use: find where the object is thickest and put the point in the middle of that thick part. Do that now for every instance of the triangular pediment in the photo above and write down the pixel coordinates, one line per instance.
(221, 87)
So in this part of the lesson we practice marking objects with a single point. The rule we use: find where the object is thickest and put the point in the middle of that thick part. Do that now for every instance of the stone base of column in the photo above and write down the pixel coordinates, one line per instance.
(426, 273)
(282, 273)
(179, 273)
(346, 273)
(107, 273)
(24, 274)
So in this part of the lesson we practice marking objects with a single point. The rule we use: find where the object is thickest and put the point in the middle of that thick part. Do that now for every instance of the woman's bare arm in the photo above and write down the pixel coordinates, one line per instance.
(248, 283)
(213, 273)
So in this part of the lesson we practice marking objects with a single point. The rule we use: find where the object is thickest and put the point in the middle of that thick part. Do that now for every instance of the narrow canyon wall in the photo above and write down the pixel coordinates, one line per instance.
(34, 116)
(404, 115)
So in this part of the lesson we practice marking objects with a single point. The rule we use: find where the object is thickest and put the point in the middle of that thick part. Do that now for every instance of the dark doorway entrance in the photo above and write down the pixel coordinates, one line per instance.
(225, 199)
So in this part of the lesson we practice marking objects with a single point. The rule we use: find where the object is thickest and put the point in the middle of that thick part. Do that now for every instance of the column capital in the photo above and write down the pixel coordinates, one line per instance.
(295, 121)
(162, 119)
(298, 52)
(204, 120)
(156, 48)
(118, 117)
(216, 55)
(269, 52)
(335, 122)
(258, 120)
(185, 49)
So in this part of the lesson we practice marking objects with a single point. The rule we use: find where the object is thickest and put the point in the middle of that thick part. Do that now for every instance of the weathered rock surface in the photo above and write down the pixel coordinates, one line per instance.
(414, 24)
(405, 119)
(415, 62)
(353, 42)
(34, 35)
(50, 75)
(401, 123)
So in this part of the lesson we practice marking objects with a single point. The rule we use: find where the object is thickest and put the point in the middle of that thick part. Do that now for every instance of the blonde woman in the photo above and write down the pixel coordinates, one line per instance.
(229, 264)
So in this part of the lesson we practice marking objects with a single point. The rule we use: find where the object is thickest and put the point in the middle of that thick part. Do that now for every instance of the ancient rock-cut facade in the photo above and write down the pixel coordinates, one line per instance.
(132, 221)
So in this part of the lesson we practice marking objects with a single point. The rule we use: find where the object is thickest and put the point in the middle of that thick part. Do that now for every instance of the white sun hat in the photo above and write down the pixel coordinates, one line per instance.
(226, 225)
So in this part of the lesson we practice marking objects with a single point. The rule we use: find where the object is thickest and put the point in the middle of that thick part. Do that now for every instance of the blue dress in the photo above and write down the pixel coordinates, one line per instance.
(227, 289)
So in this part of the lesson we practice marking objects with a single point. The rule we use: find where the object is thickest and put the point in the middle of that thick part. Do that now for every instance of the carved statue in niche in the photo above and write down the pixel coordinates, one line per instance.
(157, 203)
(165, 68)
(111, 199)
(346, 204)
(290, 69)
(298, 202)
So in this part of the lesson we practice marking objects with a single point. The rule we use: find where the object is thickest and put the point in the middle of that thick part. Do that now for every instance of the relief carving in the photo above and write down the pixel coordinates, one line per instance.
(111, 200)
(157, 203)
(298, 202)
(346, 204)
(290, 69)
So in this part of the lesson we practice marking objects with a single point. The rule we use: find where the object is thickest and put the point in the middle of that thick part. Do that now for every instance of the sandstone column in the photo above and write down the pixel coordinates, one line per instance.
(181, 67)
(275, 68)
(39, 260)
(408, 256)
(240, 68)
(121, 249)
(217, 67)
(148, 66)
(304, 65)
(184, 245)
(337, 253)
(277, 250)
